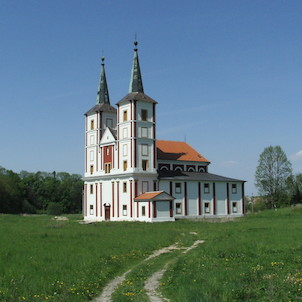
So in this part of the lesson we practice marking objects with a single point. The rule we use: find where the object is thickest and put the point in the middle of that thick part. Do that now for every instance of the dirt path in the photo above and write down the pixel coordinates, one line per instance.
(152, 283)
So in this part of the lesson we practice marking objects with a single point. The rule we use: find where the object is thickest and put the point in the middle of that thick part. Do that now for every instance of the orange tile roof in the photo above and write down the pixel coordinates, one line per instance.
(171, 150)
(153, 195)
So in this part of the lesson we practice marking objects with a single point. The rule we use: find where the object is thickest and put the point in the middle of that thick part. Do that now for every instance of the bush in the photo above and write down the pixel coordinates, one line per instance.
(54, 208)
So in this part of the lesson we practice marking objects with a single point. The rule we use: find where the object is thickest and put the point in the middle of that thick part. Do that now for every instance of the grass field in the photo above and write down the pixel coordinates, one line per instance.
(255, 258)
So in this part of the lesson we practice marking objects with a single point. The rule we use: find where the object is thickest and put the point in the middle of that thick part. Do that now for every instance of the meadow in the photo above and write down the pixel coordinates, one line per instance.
(254, 258)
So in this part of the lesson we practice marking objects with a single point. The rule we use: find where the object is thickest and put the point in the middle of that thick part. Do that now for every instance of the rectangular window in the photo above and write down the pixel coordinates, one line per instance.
(107, 150)
(144, 132)
(125, 150)
(124, 210)
(91, 139)
(109, 122)
(143, 211)
(144, 164)
(206, 188)
(92, 125)
(144, 149)
(178, 208)
(125, 115)
(234, 206)
(91, 169)
(125, 165)
(207, 207)
(91, 209)
(234, 188)
(125, 132)
(124, 187)
(178, 187)
(144, 115)
(107, 168)
(92, 155)
(91, 189)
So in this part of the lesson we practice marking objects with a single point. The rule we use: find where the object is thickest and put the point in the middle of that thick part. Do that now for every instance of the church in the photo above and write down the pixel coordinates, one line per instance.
(130, 175)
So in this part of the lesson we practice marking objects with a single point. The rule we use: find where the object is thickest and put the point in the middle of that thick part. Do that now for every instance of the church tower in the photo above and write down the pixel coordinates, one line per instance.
(136, 129)
(98, 118)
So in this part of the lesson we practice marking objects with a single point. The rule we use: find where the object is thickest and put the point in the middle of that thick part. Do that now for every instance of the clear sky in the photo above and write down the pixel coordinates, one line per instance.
(226, 74)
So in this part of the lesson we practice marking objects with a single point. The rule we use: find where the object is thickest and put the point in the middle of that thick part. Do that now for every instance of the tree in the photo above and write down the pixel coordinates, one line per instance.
(272, 173)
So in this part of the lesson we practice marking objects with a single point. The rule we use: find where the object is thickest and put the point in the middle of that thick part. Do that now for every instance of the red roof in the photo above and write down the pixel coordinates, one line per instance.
(154, 196)
(170, 150)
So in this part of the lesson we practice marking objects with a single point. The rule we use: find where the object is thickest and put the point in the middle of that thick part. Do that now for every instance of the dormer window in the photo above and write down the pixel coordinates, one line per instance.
(144, 115)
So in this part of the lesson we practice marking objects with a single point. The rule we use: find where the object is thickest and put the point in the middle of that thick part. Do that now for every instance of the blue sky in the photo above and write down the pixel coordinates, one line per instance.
(226, 74)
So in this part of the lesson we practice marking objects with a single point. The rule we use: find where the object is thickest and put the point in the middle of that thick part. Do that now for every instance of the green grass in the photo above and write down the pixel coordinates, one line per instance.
(255, 258)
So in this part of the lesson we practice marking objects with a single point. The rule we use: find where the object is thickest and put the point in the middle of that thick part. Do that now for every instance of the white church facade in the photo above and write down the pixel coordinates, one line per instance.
(130, 175)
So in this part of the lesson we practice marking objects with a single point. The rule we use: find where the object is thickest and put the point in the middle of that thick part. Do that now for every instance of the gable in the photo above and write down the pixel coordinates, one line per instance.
(108, 136)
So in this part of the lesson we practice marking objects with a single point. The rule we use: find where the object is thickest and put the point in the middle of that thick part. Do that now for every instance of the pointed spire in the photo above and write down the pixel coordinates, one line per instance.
(103, 95)
(136, 83)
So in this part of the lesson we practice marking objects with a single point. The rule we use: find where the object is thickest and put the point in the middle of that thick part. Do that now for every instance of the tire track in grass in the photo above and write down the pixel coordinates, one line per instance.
(152, 283)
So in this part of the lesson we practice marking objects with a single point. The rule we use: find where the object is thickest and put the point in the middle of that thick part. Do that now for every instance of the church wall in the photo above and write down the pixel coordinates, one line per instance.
(192, 198)
(221, 198)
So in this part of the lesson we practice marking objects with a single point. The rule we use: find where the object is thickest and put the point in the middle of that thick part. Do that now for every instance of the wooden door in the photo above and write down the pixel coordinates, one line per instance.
(107, 212)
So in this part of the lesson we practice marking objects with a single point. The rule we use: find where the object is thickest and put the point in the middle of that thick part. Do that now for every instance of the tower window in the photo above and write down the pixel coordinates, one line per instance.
(125, 132)
(91, 169)
(178, 187)
(109, 122)
(206, 188)
(107, 168)
(125, 150)
(143, 211)
(144, 149)
(125, 115)
(144, 115)
(144, 164)
(234, 188)
(91, 124)
(91, 189)
(91, 209)
(125, 165)
(144, 132)
(124, 187)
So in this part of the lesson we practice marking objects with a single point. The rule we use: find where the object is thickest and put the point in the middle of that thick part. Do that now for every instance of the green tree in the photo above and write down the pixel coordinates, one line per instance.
(272, 173)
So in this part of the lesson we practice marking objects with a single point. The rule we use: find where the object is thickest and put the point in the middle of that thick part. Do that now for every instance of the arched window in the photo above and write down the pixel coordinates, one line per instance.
(191, 169)
(201, 170)
(164, 168)
(178, 169)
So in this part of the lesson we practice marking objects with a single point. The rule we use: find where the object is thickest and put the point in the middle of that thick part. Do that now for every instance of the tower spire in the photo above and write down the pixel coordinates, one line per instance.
(136, 83)
(103, 95)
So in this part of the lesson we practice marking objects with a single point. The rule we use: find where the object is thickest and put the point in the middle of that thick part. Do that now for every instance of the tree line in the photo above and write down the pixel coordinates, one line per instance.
(274, 178)
(40, 192)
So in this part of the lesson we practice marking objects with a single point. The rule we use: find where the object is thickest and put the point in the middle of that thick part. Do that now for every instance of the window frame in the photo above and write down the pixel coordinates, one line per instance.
(178, 188)
(145, 164)
(234, 188)
(206, 188)
(207, 209)
(178, 206)
(125, 115)
(144, 115)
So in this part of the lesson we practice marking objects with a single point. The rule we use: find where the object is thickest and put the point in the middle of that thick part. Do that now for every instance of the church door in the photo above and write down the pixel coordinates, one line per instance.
(107, 212)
